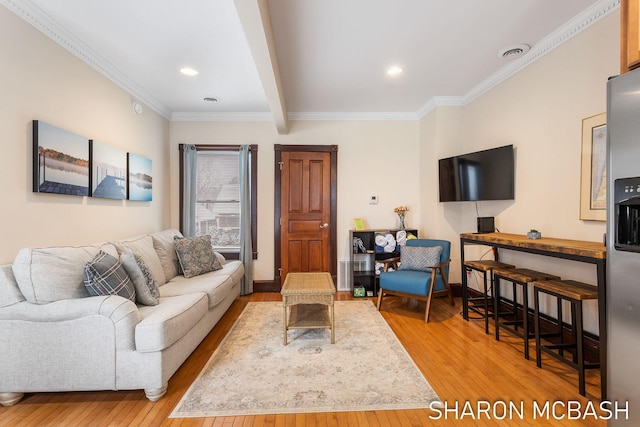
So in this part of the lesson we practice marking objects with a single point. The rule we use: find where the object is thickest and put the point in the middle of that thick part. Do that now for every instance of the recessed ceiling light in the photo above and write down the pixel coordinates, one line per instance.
(394, 71)
(189, 71)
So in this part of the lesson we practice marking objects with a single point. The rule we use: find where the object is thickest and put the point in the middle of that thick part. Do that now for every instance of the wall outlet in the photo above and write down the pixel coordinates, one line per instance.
(373, 200)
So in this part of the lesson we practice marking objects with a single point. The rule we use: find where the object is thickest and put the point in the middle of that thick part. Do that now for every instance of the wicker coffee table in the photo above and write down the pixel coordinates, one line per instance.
(308, 302)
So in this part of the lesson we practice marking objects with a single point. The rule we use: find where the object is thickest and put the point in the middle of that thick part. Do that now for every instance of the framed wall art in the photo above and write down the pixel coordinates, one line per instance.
(593, 180)
(140, 178)
(60, 161)
(108, 171)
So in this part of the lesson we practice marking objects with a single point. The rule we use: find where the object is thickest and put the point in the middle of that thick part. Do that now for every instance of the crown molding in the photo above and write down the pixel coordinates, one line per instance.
(258, 117)
(571, 28)
(440, 101)
(364, 116)
(56, 32)
(220, 117)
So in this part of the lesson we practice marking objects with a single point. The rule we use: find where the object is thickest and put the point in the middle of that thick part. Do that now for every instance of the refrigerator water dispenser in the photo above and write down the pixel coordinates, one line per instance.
(626, 195)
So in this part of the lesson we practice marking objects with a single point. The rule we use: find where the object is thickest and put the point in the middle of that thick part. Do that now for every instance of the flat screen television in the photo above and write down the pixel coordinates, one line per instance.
(482, 175)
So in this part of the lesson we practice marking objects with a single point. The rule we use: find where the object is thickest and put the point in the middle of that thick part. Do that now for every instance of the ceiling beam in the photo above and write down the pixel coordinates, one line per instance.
(256, 23)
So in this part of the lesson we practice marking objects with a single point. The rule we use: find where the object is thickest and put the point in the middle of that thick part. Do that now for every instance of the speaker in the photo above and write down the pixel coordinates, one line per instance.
(486, 224)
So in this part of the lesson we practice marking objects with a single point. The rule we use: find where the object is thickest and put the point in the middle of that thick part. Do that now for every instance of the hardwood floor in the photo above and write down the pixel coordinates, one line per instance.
(464, 366)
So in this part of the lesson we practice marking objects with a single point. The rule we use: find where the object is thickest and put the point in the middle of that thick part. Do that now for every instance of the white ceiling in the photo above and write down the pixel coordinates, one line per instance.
(308, 59)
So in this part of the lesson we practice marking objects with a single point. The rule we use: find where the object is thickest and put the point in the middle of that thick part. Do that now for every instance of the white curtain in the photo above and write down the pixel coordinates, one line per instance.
(190, 169)
(246, 249)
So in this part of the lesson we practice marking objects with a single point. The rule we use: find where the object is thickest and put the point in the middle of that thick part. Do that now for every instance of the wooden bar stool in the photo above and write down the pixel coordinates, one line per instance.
(485, 299)
(516, 325)
(574, 292)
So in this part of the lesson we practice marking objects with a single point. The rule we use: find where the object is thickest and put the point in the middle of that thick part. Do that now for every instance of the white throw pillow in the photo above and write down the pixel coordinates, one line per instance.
(143, 247)
(163, 244)
(54, 273)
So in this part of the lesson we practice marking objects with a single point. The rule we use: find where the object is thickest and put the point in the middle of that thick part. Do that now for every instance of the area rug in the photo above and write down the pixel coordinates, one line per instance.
(252, 372)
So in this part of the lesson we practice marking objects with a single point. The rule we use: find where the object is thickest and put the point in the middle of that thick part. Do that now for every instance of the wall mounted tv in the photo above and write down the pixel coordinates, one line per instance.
(483, 175)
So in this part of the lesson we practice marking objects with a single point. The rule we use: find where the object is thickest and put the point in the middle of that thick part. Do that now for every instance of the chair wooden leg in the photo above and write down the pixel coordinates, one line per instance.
(380, 293)
(426, 314)
(430, 293)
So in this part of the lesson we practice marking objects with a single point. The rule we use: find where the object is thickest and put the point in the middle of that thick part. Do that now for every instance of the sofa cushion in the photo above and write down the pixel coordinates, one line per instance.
(419, 258)
(146, 285)
(143, 247)
(163, 244)
(55, 273)
(165, 323)
(105, 275)
(216, 286)
(196, 255)
(9, 292)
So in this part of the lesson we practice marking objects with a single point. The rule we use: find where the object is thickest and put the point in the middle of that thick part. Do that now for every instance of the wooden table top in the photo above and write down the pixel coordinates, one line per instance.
(308, 283)
(596, 250)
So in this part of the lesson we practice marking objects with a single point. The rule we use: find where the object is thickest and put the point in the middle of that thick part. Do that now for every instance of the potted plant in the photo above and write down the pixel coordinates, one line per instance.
(534, 234)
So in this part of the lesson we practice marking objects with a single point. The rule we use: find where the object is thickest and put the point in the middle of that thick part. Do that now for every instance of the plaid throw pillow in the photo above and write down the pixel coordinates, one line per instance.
(419, 258)
(105, 275)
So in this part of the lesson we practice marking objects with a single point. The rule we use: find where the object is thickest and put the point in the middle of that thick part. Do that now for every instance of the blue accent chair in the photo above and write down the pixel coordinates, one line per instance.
(418, 284)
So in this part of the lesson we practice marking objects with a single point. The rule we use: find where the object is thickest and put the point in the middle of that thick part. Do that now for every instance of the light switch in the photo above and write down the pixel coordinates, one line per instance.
(373, 200)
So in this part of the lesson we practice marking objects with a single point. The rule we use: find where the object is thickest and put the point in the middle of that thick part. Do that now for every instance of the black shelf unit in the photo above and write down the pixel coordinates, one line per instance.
(362, 265)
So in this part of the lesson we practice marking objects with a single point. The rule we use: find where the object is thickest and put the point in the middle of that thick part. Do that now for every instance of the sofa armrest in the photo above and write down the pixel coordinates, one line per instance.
(116, 308)
(121, 313)
(65, 345)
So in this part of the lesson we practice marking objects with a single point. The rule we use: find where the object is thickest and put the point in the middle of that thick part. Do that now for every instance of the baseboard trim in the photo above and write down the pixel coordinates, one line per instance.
(456, 288)
(265, 286)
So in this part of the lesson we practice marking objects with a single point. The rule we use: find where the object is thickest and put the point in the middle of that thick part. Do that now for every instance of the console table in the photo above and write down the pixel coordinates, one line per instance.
(576, 250)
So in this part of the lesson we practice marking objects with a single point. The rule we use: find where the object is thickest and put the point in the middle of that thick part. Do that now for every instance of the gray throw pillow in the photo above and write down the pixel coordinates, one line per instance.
(196, 255)
(419, 258)
(105, 275)
(147, 291)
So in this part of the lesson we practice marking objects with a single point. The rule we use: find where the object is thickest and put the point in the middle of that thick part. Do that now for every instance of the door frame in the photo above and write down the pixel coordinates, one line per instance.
(333, 222)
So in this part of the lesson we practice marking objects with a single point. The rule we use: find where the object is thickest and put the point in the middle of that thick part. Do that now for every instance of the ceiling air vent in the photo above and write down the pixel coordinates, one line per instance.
(513, 51)
(210, 99)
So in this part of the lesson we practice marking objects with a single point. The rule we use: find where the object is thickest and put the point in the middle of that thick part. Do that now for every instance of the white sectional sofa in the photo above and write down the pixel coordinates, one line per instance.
(54, 336)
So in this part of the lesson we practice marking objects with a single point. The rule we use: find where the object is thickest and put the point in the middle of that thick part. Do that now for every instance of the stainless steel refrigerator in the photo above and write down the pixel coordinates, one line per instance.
(623, 245)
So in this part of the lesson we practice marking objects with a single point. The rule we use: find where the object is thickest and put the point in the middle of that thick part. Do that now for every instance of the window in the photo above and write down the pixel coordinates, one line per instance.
(217, 210)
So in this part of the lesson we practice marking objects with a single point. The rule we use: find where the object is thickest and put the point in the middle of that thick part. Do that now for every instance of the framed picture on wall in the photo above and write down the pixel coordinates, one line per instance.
(140, 178)
(108, 171)
(593, 180)
(60, 161)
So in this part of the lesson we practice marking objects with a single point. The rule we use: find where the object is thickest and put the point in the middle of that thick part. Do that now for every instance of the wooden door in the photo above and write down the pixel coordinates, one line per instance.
(306, 211)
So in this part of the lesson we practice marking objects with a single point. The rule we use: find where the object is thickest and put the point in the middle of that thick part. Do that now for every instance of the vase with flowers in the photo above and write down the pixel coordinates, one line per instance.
(401, 211)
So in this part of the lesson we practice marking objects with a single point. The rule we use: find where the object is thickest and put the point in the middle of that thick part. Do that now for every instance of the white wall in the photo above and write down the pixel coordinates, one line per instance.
(374, 158)
(41, 80)
(539, 110)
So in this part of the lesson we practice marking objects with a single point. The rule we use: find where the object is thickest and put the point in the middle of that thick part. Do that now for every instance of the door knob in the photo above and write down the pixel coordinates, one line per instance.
(325, 225)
